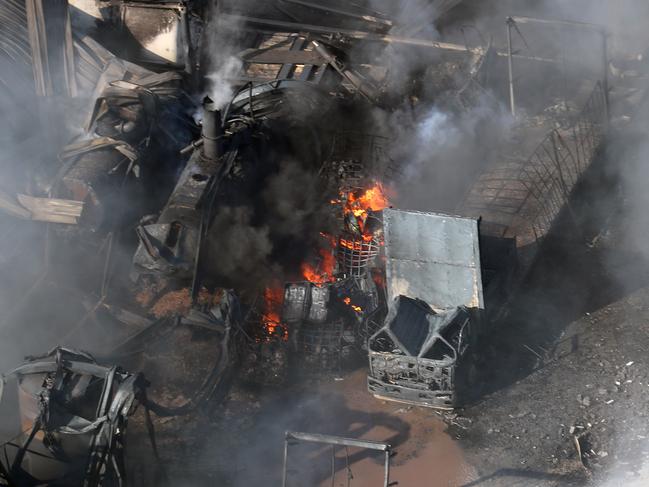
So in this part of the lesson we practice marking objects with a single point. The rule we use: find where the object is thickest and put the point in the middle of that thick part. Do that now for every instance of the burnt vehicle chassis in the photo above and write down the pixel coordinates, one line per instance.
(74, 413)
(419, 356)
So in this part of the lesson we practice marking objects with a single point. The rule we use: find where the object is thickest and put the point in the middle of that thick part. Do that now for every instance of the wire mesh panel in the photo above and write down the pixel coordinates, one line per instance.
(355, 254)
(319, 347)
(521, 197)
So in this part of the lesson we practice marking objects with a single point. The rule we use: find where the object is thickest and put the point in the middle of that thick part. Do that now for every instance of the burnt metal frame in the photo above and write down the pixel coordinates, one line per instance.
(120, 394)
(356, 254)
(512, 23)
(314, 65)
(293, 437)
(533, 191)
(428, 371)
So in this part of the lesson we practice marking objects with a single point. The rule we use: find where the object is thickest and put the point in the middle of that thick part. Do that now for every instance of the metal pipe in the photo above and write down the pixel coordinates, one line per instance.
(194, 145)
(355, 34)
(333, 441)
(340, 11)
(284, 473)
(510, 65)
(605, 75)
(212, 130)
(337, 440)
(240, 21)
(333, 465)
(568, 23)
(386, 482)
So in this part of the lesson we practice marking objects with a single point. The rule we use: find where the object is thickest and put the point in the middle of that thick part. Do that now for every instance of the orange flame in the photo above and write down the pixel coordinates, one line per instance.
(378, 279)
(348, 302)
(324, 273)
(374, 199)
(273, 300)
(357, 206)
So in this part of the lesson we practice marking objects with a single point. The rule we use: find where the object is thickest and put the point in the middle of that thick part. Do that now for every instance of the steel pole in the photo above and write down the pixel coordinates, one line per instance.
(605, 74)
(386, 483)
(510, 65)
(284, 473)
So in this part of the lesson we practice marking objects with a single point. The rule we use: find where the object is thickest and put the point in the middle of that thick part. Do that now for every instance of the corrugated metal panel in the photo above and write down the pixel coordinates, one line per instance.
(36, 53)
(15, 51)
(433, 257)
(50, 37)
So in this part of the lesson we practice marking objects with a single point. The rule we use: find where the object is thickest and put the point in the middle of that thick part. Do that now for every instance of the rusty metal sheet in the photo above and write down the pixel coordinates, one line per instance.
(433, 257)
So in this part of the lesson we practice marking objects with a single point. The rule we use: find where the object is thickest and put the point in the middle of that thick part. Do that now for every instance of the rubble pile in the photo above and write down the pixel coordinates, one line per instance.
(226, 204)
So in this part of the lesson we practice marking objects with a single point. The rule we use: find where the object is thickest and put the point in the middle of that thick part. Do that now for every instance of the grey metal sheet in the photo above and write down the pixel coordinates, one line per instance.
(433, 257)
(160, 30)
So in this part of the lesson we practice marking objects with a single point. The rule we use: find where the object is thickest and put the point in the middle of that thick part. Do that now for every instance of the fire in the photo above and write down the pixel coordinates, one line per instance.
(273, 300)
(355, 245)
(348, 302)
(357, 205)
(356, 208)
(322, 274)
(378, 279)
(374, 198)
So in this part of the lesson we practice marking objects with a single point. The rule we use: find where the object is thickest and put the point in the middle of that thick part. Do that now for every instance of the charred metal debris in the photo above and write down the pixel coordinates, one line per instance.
(73, 414)
(254, 207)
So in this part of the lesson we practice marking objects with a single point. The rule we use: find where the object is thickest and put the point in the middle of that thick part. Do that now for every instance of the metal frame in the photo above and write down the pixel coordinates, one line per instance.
(293, 437)
(120, 393)
(512, 23)
(269, 51)
(521, 198)
(356, 254)
(414, 378)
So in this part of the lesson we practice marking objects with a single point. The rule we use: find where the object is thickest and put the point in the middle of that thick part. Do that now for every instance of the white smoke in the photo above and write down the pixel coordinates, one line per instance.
(222, 63)
(221, 89)
(440, 149)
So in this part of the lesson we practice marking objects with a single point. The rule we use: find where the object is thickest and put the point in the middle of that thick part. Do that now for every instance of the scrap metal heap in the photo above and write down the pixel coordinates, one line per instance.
(140, 194)
(74, 415)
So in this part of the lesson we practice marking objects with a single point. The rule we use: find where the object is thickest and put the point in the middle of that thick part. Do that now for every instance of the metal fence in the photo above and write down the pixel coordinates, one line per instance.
(521, 197)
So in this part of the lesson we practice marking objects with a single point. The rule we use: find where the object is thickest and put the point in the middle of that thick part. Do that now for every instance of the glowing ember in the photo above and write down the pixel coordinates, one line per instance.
(356, 245)
(348, 302)
(379, 280)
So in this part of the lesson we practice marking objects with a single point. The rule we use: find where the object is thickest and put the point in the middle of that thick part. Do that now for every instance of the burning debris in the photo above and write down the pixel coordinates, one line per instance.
(269, 222)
